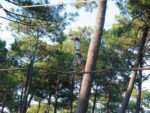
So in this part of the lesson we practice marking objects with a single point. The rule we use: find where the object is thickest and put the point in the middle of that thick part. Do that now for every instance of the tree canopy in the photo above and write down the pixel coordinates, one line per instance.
(36, 71)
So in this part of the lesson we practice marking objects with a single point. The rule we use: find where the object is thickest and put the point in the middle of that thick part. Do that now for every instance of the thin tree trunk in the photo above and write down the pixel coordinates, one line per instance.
(133, 74)
(31, 97)
(49, 98)
(39, 107)
(56, 99)
(56, 96)
(108, 100)
(138, 102)
(91, 59)
(48, 103)
(94, 102)
(71, 95)
(29, 80)
(3, 105)
(108, 93)
(19, 110)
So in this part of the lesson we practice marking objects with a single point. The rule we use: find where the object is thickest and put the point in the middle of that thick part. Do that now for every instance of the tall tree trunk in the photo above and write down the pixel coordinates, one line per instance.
(56, 96)
(138, 102)
(21, 96)
(56, 99)
(71, 95)
(80, 83)
(133, 74)
(48, 103)
(3, 105)
(29, 80)
(108, 93)
(94, 102)
(107, 103)
(47, 108)
(39, 107)
(91, 59)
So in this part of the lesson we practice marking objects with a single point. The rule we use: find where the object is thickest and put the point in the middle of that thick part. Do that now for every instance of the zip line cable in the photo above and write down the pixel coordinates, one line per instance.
(51, 4)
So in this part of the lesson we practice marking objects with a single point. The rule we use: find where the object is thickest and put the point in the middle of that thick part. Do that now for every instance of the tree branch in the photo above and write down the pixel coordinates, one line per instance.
(145, 78)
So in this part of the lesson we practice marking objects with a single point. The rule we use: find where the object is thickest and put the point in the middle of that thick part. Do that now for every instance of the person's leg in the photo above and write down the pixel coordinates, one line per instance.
(75, 62)
(80, 61)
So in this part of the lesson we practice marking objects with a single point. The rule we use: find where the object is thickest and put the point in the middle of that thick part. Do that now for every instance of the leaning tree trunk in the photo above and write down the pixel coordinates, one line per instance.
(91, 59)
(138, 102)
(133, 74)
(29, 80)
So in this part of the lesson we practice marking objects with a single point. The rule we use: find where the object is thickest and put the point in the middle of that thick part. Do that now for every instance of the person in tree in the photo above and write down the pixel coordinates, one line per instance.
(78, 60)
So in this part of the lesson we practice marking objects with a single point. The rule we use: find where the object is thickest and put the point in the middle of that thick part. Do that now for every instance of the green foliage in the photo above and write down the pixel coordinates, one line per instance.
(89, 6)
(3, 50)
(48, 23)
(24, 48)
(8, 83)
(34, 107)
(136, 9)
(4, 62)
(131, 106)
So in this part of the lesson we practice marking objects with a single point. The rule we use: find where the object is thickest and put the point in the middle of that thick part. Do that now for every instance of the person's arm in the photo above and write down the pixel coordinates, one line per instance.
(72, 38)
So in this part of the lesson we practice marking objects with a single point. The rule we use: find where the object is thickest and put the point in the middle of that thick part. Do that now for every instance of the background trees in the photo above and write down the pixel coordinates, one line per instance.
(47, 84)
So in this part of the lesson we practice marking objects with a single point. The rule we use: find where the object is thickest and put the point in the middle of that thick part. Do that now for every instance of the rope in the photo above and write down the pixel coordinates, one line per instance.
(105, 49)
(81, 72)
(52, 4)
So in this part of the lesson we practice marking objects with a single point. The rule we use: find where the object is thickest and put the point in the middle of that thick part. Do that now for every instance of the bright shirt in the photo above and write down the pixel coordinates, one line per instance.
(77, 45)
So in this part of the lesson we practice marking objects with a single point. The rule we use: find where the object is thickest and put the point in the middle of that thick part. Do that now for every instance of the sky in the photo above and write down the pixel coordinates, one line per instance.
(84, 19)
(89, 19)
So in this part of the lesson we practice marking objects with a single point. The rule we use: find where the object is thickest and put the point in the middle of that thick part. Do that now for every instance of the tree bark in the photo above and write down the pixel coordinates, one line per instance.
(48, 103)
(39, 107)
(80, 83)
(56, 96)
(29, 80)
(56, 99)
(47, 108)
(19, 109)
(71, 95)
(94, 102)
(3, 105)
(109, 93)
(31, 97)
(133, 74)
(138, 102)
(91, 59)
(108, 100)
(107, 104)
